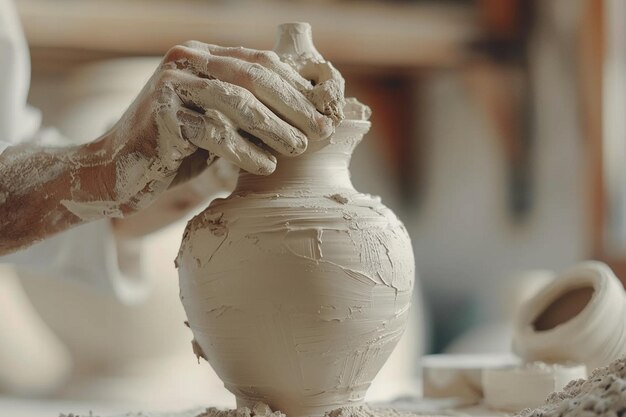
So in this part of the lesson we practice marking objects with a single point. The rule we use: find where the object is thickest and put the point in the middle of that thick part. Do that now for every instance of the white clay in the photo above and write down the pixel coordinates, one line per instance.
(594, 333)
(460, 376)
(201, 96)
(602, 394)
(261, 409)
(294, 41)
(355, 110)
(516, 388)
(297, 287)
(294, 45)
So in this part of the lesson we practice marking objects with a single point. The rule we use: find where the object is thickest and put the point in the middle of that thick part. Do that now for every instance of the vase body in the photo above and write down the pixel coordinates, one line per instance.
(297, 287)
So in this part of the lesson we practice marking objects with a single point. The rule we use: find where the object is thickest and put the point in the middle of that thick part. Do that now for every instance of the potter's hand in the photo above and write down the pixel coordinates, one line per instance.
(205, 96)
(203, 101)
(313, 78)
(178, 202)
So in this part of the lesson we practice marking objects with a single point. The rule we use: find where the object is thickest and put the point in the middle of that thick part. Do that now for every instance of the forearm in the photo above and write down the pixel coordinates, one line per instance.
(195, 107)
(44, 191)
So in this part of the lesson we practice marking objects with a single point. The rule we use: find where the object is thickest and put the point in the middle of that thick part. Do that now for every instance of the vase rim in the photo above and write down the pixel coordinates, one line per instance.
(355, 124)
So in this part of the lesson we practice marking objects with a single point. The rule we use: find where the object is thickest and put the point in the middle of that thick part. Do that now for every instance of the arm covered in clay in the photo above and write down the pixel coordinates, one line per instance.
(203, 102)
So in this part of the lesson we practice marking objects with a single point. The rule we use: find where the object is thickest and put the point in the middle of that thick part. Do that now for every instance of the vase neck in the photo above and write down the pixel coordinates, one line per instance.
(322, 167)
(315, 173)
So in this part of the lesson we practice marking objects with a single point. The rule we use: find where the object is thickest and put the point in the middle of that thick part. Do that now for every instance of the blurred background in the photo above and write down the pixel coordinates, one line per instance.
(497, 138)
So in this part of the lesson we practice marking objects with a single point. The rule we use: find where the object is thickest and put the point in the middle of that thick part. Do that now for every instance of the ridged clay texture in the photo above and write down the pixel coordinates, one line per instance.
(297, 287)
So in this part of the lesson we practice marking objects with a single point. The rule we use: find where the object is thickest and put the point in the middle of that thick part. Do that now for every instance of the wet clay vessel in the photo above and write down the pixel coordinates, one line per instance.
(297, 287)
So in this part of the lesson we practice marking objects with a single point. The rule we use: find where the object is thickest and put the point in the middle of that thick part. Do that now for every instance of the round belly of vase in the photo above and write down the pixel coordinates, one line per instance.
(296, 305)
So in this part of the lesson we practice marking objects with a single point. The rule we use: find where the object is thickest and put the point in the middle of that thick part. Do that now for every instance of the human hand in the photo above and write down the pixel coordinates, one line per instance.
(206, 101)
(217, 180)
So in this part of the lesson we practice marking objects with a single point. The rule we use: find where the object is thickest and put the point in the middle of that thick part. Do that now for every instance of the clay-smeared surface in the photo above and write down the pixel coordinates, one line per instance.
(263, 410)
(294, 45)
(297, 287)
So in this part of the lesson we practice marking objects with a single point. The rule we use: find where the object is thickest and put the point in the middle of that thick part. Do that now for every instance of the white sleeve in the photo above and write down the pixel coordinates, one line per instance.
(17, 121)
(89, 254)
(28, 132)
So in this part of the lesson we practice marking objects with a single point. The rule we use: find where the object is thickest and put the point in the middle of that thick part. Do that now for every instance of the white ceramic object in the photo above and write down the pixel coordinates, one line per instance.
(594, 333)
(459, 376)
(297, 287)
(514, 389)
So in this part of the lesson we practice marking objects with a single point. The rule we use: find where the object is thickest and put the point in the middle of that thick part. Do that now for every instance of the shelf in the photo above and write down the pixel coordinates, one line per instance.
(360, 33)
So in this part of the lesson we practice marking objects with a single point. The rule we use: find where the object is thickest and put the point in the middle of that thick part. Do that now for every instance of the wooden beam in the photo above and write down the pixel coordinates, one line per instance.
(364, 33)
(591, 56)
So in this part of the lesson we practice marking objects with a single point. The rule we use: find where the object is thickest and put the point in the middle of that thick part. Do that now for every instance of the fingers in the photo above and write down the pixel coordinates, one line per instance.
(328, 93)
(182, 131)
(320, 82)
(269, 87)
(171, 144)
(275, 93)
(217, 134)
(244, 110)
(191, 167)
(268, 59)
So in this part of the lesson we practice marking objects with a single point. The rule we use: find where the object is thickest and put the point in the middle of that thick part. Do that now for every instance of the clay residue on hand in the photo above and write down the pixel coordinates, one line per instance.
(39, 183)
(93, 210)
(295, 48)
(328, 93)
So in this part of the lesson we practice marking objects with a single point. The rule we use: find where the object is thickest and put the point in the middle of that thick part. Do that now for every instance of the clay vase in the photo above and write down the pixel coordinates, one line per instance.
(296, 286)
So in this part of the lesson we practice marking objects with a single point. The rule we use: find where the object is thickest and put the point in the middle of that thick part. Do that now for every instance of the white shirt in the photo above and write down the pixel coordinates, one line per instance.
(17, 121)
(88, 253)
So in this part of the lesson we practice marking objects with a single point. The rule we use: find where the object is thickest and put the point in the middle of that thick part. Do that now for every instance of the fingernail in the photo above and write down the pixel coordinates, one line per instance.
(326, 126)
(188, 118)
(176, 155)
(191, 125)
(300, 141)
(267, 167)
(191, 132)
